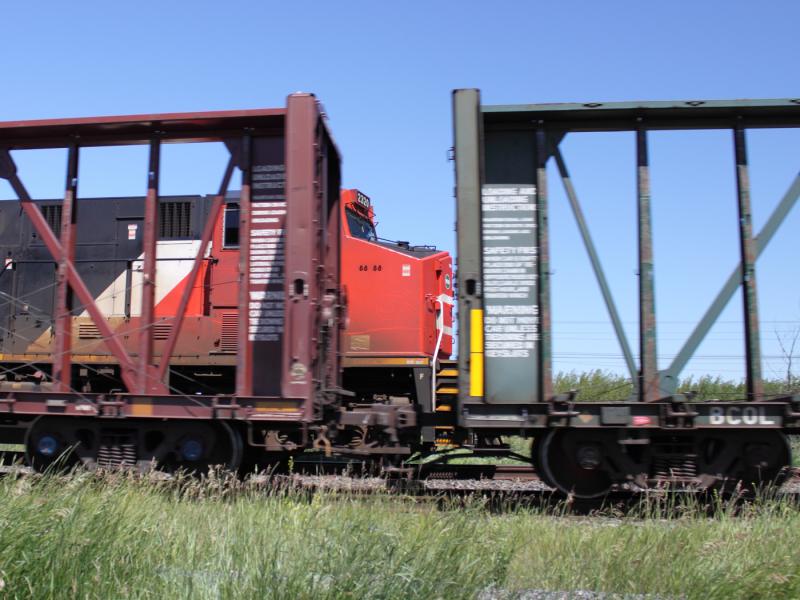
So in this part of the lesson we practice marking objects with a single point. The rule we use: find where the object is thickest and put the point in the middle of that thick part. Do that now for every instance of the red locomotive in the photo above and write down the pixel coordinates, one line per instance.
(399, 300)
(398, 307)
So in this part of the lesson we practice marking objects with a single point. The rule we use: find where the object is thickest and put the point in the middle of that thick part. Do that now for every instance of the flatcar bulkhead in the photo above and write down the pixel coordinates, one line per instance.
(369, 316)
(582, 447)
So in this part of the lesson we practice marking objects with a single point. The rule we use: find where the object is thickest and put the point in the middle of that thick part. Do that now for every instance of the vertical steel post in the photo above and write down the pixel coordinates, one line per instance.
(752, 345)
(468, 134)
(62, 358)
(543, 262)
(648, 373)
(147, 382)
(244, 355)
(332, 300)
(761, 241)
(303, 237)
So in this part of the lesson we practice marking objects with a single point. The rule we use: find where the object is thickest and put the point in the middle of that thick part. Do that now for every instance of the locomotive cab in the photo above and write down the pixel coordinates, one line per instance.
(399, 301)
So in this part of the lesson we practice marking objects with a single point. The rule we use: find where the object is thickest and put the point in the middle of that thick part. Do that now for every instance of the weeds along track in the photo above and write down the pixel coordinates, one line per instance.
(510, 485)
(497, 487)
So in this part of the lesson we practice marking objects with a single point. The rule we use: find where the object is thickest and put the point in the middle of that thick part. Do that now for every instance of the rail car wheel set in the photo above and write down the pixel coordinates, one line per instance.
(269, 322)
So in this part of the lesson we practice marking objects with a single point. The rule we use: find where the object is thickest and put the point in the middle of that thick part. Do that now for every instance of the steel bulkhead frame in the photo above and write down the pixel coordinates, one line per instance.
(333, 301)
(594, 258)
(148, 383)
(543, 267)
(304, 250)
(752, 344)
(127, 368)
(244, 353)
(648, 372)
(138, 129)
(467, 125)
(205, 240)
(669, 376)
(659, 116)
(110, 131)
(637, 118)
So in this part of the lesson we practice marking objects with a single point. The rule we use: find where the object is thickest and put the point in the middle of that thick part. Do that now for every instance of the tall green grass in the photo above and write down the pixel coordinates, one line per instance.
(124, 537)
(120, 536)
(735, 553)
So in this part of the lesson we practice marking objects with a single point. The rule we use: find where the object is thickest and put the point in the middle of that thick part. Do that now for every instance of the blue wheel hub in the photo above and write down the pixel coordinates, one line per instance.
(191, 450)
(47, 445)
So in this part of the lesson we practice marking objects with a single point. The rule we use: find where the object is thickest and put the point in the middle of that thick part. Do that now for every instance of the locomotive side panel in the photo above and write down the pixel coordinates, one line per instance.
(109, 259)
(399, 296)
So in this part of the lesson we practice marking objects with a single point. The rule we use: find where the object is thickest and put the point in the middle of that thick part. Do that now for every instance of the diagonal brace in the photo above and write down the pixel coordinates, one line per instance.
(594, 258)
(208, 231)
(669, 376)
(8, 171)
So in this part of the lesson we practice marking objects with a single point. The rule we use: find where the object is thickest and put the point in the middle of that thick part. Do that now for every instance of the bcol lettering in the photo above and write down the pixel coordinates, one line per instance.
(737, 415)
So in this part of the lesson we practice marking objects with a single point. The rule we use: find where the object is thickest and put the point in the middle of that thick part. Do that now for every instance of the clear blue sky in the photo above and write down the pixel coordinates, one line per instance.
(384, 72)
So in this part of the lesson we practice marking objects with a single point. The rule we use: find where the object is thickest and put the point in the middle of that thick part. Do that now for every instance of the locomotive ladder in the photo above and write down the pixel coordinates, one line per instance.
(446, 397)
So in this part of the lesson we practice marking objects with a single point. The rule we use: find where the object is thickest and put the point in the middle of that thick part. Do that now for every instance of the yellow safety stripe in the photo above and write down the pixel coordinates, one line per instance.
(371, 361)
(476, 352)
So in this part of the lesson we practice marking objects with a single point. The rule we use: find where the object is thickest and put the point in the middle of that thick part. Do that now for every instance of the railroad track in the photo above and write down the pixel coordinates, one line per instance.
(430, 479)
(518, 480)
(478, 471)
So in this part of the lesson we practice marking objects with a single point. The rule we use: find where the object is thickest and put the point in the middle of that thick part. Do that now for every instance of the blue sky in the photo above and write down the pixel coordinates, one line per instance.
(384, 72)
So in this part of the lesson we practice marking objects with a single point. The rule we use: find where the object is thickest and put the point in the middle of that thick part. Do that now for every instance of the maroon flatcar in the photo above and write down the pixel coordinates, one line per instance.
(189, 330)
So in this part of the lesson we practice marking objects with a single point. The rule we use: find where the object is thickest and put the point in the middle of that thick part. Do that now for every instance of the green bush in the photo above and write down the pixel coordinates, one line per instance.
(605, 386)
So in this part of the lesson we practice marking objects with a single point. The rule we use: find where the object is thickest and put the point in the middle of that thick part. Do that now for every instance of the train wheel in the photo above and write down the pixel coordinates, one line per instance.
(574, 461)
(64, 442)
(190, 447)
(53, 443)
(750, 458)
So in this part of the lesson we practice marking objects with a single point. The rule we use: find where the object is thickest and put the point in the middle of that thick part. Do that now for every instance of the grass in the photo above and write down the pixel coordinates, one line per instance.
(693, 556)
(120, 536)
(123, 537)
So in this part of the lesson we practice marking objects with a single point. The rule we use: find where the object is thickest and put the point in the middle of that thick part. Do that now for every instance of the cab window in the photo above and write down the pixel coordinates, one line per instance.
(360, 227)
(230, 233)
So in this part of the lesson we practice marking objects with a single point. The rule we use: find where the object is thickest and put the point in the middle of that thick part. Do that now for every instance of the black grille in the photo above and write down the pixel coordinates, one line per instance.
(52, 214)
(175, 220)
